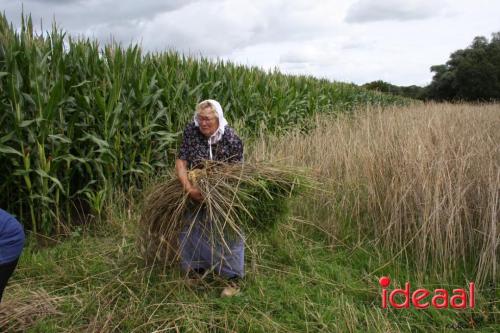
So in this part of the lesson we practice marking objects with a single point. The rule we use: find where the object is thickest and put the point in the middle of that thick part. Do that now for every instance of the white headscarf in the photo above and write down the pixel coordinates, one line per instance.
(222, 121)
(217, 136)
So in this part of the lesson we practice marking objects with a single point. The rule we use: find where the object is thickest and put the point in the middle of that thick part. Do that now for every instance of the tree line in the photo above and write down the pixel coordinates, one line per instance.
(470, 74)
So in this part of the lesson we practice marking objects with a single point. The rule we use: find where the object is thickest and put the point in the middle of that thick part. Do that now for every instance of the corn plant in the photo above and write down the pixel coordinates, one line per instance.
(77, 117)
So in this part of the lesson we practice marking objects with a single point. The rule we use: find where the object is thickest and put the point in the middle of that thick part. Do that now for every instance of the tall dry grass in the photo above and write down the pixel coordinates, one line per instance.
(422, 180)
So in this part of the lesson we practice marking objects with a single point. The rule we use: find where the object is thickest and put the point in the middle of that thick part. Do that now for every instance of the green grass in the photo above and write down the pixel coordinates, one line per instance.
(295, 282)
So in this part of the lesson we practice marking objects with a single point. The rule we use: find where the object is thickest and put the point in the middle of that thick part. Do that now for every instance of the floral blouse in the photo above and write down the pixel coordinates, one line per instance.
(195, 148)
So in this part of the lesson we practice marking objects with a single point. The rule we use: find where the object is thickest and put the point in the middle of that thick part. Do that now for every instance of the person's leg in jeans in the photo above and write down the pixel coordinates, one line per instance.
(6, 271)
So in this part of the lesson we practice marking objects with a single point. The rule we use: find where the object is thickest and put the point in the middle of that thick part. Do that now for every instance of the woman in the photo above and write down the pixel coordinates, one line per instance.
(208, 137)
(11, 245)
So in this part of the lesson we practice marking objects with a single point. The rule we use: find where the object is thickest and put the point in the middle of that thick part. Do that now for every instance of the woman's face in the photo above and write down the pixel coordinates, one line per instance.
(208, 122)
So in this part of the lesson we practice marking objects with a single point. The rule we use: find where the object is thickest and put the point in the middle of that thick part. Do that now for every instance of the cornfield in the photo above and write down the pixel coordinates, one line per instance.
(78, 119)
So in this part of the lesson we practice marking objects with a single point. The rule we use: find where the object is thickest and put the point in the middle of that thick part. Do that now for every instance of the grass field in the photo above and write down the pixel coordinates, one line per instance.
(432, 170)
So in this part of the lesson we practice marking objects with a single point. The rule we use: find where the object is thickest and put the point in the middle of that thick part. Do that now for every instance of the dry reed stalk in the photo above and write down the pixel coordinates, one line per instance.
(422, 179)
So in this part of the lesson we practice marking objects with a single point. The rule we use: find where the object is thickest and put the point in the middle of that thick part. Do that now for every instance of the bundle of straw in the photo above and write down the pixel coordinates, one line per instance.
(236, 198)
(17, 315)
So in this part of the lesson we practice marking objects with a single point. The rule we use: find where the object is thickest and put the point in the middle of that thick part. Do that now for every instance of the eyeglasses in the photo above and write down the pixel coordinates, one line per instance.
(205, 119)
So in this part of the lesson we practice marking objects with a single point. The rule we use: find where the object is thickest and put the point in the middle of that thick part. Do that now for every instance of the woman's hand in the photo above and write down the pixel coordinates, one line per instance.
(181, 170)
(195, 193)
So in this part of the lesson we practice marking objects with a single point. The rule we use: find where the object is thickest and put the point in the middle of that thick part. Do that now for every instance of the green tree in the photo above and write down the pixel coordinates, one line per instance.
(471, 74)
(413, 91)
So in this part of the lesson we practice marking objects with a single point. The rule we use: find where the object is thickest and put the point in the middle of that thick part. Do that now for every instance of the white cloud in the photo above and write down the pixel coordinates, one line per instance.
(380, 10)
(221, 27)
(82, 15)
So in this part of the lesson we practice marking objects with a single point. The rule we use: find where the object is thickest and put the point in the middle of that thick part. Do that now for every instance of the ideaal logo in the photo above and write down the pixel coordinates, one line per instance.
(439, 299)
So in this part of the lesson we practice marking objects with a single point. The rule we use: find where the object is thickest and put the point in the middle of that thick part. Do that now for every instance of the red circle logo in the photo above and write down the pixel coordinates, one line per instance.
(384, 281)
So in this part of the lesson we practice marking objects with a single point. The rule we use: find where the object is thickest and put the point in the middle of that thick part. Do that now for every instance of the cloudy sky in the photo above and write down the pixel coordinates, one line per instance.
(345, 40)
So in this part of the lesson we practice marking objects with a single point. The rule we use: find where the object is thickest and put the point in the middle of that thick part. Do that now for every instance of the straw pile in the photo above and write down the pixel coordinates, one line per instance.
(17, 315)
(236, 198)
